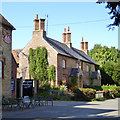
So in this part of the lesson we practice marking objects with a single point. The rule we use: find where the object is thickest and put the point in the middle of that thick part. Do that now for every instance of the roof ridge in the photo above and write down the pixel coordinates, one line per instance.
(56, 41)
(3, 20)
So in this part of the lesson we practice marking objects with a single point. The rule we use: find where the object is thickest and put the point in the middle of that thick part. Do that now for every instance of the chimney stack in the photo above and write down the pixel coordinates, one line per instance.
(84, 46)
(42, 24)
(67, 37)
(64, 36)
(39, 24)
(36, 23)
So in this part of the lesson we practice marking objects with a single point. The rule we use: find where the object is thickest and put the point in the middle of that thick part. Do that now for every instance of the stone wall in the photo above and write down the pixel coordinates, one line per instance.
(37, 41)
(6, 54)
(14, 77)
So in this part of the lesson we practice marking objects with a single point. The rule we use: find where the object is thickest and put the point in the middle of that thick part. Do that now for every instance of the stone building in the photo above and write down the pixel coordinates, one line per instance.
(6, 57)
(62, 55)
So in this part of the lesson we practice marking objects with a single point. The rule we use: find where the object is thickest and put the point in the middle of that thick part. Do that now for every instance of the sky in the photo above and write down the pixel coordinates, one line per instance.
(85, 19)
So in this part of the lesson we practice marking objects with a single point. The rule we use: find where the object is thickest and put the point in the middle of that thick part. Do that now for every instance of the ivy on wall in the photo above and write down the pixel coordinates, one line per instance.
(90, 76)
(51, 73)
(38, 66)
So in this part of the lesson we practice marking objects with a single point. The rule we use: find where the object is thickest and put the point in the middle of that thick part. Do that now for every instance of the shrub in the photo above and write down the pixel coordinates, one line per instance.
(106, 93)
(111, 91)
(94, 87)
(14, 101)
(84, 94)
(6, 101)
(63, 88)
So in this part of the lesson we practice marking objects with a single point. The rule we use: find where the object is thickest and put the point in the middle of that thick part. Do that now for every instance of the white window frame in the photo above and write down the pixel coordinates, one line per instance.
(63, 63)
(87, 68)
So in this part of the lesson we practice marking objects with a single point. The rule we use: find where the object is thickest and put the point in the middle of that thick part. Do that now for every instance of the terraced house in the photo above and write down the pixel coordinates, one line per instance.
(68, 60)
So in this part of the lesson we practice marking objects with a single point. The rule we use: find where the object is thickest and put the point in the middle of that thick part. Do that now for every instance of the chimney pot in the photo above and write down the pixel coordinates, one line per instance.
(64, 29)
(82, 39)
(68, 28)
(36, 16)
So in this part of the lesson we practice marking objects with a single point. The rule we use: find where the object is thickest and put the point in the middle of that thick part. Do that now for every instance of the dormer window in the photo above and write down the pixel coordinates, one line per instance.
(64, 63)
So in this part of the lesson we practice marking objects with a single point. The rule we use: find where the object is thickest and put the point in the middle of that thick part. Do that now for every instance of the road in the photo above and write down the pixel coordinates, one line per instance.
(70, 109)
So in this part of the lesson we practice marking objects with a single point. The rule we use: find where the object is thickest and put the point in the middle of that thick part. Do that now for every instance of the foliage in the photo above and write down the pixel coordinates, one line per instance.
(114, 11)
(103, 54)
(90, 76)
(93, 87)
(6, 101)
(108, 59)
(111, 91)
(32, 63)
(84, 94)
(116, 74)
(55, 87)
(38, 64)
(73, 83)
(99, 99)
(63, 88)
(51, 73)
(109, 87)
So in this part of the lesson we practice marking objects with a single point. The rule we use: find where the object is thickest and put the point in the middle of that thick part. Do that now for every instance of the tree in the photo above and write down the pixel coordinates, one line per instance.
(114, 7)
(108, 59)
(116, 74)
(103, 54)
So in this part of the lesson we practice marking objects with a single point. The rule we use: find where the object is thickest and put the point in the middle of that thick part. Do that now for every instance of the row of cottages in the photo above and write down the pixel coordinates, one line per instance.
(68, 60)
(8, 65)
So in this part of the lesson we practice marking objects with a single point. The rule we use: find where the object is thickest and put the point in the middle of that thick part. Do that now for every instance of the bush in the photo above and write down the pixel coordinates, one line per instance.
(84, 94)
(111, 91)
(99, 99)
(94, 87)
(63, 88)
(106, 93)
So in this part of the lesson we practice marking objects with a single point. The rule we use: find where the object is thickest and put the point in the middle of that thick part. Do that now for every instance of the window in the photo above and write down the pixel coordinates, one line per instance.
(77, 65)
(87, 68)
(1, 70)
(64, 63)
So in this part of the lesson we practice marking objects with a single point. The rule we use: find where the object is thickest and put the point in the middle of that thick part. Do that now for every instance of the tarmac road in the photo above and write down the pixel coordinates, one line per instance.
(69, 110)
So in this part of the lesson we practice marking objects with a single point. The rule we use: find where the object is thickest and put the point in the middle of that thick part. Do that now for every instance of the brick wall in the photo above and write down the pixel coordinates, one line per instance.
(63, 73)
(71, 63)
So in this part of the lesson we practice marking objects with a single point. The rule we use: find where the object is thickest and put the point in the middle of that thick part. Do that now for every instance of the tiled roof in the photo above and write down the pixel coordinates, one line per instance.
(63, 49)
(74, 72)
(5, 22)
(16, 54)
(94, 74)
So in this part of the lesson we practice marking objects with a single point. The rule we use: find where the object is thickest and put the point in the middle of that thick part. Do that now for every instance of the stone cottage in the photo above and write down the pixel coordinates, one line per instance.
(68, 60)
(8, 64)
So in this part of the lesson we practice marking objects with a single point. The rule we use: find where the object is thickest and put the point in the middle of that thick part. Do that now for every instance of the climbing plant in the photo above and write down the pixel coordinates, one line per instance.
(90, 76)
(38, 64)
(51, 73)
